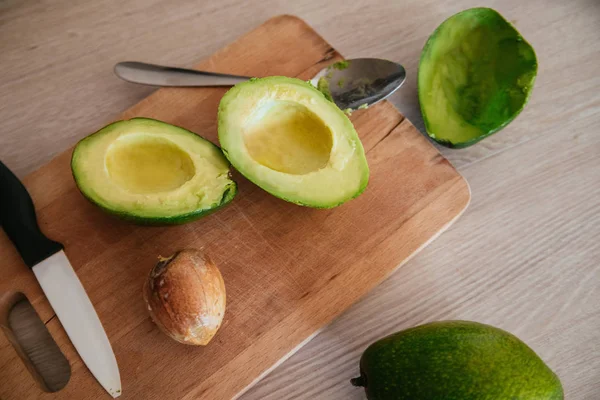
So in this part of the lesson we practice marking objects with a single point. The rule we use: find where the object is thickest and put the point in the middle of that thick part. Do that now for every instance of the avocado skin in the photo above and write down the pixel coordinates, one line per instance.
(455, 360)
(228, 195)
(514, 82)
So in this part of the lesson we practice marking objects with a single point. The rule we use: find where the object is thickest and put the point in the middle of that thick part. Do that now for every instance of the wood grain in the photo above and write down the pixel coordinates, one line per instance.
(524, 257)
(288, 270)
(33, 343)
(56, 54)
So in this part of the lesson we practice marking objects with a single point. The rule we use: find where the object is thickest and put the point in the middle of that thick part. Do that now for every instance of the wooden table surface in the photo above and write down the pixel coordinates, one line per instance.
(524, 257)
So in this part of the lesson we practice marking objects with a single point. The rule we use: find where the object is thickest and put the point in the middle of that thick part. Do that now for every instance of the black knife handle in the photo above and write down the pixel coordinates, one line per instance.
(17, 216)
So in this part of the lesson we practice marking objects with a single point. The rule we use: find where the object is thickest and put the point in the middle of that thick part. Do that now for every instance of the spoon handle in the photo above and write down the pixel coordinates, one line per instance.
(157, 75)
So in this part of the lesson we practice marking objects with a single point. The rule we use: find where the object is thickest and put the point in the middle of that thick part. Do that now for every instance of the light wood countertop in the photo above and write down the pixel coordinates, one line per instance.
(525, 256)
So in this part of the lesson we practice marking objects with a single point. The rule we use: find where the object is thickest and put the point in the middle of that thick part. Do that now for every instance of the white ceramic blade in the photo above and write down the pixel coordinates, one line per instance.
(78, 316)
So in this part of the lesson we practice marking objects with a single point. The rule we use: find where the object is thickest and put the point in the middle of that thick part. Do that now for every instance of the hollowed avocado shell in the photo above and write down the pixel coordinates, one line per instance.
(475, 76)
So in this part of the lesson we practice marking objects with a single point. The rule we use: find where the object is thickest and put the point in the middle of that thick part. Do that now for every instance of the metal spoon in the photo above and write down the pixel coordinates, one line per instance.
(352, 84)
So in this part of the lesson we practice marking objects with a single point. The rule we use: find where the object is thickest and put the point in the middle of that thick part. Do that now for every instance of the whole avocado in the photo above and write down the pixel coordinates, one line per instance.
(455, 360)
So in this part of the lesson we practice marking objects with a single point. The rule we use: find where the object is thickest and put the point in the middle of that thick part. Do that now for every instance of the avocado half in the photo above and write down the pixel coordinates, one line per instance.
(286, 137)
(459, 360)
(151, 172)
(476, 74)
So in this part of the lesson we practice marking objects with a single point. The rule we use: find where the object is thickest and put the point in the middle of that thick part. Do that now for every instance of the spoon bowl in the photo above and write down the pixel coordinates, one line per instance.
(360, 82)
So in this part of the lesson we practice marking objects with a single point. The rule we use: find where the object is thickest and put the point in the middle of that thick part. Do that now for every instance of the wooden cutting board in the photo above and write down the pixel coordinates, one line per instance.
(288, 270)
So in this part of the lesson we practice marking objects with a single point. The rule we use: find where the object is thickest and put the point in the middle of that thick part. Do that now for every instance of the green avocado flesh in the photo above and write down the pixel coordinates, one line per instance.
(455, 360)
(151, 172)
(475, 76)
(286, 137)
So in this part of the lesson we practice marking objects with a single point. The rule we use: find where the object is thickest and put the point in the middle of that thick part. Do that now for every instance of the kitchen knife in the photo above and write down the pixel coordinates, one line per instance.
(58, 280)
